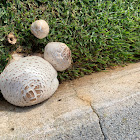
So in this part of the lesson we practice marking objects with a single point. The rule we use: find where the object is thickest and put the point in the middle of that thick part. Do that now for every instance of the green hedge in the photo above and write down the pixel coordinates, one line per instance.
(99, 33)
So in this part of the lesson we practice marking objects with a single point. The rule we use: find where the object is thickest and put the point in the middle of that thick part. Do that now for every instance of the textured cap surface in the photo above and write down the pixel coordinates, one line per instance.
(28, 81)
(40, 29)
(58, 54)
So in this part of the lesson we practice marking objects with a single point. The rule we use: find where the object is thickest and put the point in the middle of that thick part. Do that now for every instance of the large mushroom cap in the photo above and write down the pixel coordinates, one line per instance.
(28, 81)
(58, 54)
(40, 28)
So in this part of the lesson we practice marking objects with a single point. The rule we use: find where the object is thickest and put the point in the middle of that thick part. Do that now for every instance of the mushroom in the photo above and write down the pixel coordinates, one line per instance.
(40, 28)
(11, 38)
(16, 56)
(58, 54)
(28, 81)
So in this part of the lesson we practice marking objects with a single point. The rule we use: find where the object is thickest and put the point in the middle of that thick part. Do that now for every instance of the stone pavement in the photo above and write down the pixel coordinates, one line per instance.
(101, 106)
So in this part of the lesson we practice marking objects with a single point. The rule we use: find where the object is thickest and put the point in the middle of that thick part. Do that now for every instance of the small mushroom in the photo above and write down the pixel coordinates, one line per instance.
(28, 81)
(58, 54)
(40, 28)
(11, 38)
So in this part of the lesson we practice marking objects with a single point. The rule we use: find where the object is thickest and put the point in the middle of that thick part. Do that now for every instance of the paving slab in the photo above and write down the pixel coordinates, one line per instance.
(63, 116)
(120, 119)
(115, 97)
(109, 85)
(101, 106)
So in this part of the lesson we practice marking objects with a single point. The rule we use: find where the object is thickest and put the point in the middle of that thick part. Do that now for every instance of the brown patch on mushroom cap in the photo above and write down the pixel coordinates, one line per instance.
(11, 38)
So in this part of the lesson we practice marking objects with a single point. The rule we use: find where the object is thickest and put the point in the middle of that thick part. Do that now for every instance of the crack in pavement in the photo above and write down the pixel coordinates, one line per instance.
(94, 111)
(100, 124)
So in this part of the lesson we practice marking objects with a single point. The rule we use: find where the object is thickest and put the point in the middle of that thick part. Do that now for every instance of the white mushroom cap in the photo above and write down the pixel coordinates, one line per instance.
(28, 81)
(16, 56)
(58, 54)
(40, 28)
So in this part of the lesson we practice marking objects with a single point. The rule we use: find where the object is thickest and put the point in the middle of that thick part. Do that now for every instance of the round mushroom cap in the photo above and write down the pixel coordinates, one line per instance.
(40, 28)
(28, 81)
(58, 54)
(11, 38)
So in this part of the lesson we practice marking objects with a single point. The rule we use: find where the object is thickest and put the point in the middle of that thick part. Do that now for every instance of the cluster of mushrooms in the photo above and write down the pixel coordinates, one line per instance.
(33, 79)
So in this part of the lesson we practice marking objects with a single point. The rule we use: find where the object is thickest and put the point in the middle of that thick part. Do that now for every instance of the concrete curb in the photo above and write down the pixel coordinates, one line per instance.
(100, 106)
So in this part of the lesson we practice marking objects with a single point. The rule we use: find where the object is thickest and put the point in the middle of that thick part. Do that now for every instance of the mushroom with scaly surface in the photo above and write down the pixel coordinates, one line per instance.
(31, 80)
(40, 29)
(28, 81)
(58, 54)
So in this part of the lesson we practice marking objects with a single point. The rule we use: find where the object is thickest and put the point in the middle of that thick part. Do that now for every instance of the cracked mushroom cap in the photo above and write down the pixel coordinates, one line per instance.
(58, 54)
(28, 81)
(40, 28)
